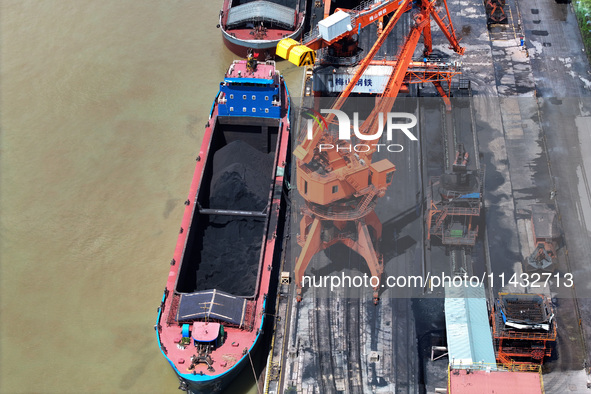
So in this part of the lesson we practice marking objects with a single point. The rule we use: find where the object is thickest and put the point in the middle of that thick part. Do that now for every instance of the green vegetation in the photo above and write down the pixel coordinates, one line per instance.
(583, 13)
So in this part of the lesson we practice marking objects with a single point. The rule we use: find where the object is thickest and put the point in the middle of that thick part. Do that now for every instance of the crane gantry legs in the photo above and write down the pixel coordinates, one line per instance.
(318, 234)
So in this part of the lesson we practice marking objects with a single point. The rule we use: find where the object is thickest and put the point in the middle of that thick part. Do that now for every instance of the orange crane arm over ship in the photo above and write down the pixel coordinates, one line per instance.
(305, 150)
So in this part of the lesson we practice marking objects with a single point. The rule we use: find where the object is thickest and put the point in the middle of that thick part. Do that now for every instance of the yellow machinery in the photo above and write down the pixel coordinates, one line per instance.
(300, 55)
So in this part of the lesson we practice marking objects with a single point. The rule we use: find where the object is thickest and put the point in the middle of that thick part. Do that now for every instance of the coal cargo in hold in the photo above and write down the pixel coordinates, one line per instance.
(222, 248)
(239, 181)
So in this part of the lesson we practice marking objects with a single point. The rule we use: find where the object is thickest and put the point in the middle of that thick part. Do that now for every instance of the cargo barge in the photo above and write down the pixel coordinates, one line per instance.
(258, 25)
(213, 309)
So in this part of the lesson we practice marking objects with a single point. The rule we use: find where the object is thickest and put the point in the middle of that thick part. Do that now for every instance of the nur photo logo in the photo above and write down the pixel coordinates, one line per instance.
(317, 123)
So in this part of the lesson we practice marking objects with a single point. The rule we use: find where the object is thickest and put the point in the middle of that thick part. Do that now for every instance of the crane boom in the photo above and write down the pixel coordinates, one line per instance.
(387, 98)
(306, 152)
(448, 31)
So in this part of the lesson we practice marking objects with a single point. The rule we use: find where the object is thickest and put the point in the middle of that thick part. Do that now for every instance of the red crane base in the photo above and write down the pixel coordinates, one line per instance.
(320, 234)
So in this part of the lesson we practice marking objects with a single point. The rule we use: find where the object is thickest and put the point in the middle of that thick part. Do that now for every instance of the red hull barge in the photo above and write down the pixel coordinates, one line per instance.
(213, 309)
(258, 25)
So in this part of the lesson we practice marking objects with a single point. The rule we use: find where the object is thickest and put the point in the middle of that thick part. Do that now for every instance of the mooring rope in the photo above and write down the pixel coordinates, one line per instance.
(254, 374)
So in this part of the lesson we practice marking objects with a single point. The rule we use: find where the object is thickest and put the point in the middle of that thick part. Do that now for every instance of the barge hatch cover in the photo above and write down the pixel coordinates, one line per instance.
(257, 11)
(212, 304)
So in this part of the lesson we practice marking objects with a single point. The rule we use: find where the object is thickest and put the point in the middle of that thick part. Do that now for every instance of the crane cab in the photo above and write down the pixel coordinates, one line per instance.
(381, 173)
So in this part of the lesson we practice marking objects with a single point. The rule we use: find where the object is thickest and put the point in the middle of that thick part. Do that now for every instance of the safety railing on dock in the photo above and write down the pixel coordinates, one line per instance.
(512, 367)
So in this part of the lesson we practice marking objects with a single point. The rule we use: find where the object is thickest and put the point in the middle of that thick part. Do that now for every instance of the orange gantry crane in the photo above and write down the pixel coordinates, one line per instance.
(341, 186)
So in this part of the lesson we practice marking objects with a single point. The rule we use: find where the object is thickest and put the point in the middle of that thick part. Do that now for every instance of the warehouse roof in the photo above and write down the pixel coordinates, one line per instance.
(469, 338)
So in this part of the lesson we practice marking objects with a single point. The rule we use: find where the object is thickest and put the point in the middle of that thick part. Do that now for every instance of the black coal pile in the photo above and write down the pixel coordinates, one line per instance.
(230, 255)
(232, 244)
(241, 178)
